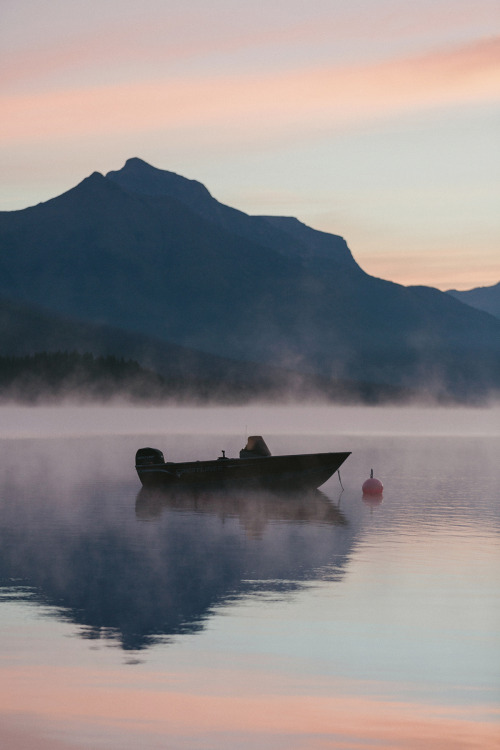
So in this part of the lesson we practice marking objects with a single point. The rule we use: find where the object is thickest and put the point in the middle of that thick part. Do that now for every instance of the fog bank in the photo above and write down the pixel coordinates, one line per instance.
(62, 421)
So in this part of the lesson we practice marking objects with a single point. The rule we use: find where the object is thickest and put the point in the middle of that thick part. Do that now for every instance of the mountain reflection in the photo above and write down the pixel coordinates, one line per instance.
(139, 576)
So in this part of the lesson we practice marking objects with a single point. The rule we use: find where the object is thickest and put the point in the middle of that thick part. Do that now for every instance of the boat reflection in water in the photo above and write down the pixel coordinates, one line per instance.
(143, 577)
(254, 509)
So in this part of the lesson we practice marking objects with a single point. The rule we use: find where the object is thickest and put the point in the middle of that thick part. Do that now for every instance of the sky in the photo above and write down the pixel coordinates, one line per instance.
(378, 120)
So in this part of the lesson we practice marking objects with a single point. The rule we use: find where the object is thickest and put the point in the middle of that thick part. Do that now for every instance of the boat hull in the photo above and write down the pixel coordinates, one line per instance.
(306, 471)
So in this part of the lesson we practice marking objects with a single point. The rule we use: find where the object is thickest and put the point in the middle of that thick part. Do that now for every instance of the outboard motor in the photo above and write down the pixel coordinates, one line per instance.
(148, 457)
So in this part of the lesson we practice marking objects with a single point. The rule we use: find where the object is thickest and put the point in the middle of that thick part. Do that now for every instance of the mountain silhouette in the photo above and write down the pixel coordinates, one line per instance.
(486, 298)
(155, 255)
(286, 235)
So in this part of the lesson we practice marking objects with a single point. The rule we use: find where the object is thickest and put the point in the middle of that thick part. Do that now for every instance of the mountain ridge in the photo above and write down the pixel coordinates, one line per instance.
(140, 178)
(190, 271)
(485, 298)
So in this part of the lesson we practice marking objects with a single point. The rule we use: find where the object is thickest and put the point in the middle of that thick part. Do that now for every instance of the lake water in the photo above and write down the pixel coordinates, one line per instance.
(247, 620)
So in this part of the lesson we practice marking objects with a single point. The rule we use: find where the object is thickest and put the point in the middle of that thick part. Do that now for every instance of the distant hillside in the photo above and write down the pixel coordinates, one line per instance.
(58, 375)
(28, 329)
(32, 337)
(156, 258)
(49, 377)
(486, 298)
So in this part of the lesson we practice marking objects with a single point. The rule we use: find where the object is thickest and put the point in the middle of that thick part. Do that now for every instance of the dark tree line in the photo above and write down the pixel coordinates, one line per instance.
(56, 375)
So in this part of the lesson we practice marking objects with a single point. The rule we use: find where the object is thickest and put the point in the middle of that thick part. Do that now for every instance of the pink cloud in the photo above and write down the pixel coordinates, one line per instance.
(162, 38)
(236, 106)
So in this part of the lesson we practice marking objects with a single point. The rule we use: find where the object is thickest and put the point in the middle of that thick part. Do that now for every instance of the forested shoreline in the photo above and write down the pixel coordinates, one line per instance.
(53, 376)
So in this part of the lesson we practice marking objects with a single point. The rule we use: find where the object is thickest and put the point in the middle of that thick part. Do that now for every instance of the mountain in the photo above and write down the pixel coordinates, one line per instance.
(283, 234)
(486, 298)
(155, 255)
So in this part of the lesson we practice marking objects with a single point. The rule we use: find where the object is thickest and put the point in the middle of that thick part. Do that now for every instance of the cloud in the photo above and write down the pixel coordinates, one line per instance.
(235, 106)
(134, 44)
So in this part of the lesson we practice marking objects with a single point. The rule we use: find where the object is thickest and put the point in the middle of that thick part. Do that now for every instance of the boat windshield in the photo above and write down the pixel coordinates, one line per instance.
(255, 447)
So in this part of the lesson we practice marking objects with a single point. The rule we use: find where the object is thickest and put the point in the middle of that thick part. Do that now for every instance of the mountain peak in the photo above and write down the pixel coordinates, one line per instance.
(135, 161)
(288, 235)
(93, 187)
(137, 176)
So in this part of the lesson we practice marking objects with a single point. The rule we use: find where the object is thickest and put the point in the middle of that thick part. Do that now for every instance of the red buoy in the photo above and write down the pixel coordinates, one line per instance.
(372, 486)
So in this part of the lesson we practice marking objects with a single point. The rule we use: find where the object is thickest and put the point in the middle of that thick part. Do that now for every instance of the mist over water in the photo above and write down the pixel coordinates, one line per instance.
(307, 420)
(247, 619)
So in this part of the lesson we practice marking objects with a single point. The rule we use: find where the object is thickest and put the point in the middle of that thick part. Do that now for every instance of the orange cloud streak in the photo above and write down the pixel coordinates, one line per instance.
(69, 698)
(163, 39)
(236, 105)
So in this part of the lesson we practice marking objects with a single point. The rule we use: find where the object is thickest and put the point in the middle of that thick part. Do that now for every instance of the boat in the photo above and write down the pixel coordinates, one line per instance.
(255, 467)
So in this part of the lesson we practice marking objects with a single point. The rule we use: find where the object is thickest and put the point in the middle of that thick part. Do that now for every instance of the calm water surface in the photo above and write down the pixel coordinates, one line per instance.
(249, 620)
